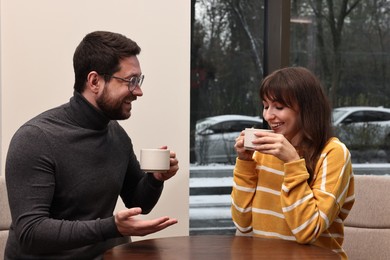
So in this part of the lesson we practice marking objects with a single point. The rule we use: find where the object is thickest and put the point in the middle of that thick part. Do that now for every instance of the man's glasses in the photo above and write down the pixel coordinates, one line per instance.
(132, 83)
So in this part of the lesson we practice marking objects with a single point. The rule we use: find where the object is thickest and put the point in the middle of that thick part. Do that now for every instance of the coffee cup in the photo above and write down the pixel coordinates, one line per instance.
(155, 160)
(250, 136)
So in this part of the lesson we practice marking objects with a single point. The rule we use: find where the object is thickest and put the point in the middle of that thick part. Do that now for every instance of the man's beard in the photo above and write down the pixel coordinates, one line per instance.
(112, 109)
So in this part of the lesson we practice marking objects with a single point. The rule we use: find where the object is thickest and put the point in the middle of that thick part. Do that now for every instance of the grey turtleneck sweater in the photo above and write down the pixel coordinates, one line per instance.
(65, 169)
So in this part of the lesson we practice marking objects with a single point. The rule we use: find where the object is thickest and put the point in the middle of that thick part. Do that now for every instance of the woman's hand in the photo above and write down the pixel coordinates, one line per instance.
(242, 153)
(277, 145)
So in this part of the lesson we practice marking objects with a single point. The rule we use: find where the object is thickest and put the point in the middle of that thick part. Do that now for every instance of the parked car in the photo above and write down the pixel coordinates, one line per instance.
(215, 137)
(363, 127)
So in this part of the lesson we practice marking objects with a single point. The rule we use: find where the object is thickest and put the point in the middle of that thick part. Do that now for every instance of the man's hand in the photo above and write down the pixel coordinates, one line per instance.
(129, 225)
(173, 168)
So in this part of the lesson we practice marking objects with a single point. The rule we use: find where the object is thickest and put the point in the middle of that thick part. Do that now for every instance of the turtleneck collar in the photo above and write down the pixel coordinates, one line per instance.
(85, 114)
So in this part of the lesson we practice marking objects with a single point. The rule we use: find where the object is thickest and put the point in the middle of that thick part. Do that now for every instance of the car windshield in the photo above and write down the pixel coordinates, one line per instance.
(203, 124)
(337, 114)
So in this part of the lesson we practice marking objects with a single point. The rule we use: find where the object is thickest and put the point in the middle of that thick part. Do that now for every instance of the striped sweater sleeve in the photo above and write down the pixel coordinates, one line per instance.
(309, 210)
(244, 187)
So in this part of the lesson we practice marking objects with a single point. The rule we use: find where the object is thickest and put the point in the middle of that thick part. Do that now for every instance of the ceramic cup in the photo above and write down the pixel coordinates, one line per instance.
(154, 160)
(250, 136)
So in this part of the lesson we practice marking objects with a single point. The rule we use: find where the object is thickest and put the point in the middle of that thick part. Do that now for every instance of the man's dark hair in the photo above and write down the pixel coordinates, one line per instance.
(102, 52)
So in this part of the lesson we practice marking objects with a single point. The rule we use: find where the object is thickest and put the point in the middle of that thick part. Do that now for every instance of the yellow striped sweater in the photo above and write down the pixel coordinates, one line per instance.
(273, 199)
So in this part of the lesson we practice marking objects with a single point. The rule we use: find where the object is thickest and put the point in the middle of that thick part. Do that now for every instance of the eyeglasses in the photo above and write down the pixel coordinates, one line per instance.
(132, 83)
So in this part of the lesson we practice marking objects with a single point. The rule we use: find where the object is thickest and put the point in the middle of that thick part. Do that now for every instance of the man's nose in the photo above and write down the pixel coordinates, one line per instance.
(137, 91)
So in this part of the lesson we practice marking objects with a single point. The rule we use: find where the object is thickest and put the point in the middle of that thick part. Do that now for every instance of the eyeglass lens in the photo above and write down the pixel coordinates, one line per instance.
(135, 81)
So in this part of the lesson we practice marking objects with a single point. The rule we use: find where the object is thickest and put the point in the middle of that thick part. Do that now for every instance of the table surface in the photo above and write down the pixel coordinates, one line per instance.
(214, 247)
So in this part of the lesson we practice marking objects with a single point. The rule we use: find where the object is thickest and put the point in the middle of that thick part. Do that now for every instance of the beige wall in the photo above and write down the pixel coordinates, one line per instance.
(38, 39)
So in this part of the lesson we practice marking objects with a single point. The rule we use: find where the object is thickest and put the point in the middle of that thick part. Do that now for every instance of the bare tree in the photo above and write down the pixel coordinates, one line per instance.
(238, 6)
(335, 16)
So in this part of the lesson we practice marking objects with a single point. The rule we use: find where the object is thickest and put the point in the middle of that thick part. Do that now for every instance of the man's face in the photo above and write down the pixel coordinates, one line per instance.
(115, 99)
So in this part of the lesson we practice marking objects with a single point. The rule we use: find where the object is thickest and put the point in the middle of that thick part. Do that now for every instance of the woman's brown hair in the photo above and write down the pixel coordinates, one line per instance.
(299, 89)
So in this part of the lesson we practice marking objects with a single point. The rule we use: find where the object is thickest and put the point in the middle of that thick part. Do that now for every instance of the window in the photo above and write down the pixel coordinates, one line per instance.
(226, 59)
(367, 116)
(346, 46)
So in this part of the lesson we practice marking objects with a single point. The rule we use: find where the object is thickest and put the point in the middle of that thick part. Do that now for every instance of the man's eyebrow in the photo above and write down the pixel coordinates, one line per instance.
(133, 75)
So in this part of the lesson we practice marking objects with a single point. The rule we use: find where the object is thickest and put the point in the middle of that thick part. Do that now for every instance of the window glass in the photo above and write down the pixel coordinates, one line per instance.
(226, 59)
(226, 70)
(379, 116)
(356, 117)
(347, 46)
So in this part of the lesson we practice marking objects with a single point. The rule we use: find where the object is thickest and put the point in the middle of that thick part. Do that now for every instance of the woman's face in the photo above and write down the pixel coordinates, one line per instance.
(283, 120)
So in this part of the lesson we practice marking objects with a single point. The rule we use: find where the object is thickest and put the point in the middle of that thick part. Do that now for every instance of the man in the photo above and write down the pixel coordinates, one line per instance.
(66, 167)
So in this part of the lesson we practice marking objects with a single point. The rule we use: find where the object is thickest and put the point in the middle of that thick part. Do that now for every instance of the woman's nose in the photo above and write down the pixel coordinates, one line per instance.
(267, 114)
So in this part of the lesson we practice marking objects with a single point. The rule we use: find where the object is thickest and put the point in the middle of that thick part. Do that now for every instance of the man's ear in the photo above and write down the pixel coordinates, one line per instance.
(93, 81)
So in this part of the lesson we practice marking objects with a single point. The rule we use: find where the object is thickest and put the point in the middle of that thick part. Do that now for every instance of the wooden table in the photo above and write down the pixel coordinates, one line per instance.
(216, 247)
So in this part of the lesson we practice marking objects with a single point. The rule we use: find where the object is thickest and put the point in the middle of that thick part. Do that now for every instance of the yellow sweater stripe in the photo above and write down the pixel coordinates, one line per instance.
(297, 203)
(273, 234)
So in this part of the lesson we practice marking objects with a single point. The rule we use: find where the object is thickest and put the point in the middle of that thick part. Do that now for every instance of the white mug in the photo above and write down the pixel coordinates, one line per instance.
(250, 136)
(154, 160)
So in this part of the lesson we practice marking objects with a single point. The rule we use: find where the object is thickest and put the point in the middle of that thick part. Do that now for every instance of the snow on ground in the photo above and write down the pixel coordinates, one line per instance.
(211, 182)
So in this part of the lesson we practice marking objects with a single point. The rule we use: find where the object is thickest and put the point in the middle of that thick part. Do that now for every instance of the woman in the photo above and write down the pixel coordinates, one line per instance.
(298, 183)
